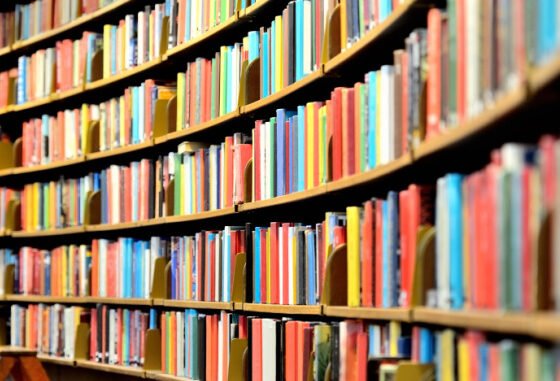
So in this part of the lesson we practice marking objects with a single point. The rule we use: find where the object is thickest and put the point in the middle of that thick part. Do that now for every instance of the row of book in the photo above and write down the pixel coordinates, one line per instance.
(128, 119)
(31, 19)
(50, 329)
(6, 195)
(510, 198)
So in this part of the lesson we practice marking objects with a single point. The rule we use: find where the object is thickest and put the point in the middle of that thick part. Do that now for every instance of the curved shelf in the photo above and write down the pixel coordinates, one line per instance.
(74, 24)
(55, 360)
(399, 314)
(283, 309)
(117, 369)
(14, 350)
(199, 305)
(78, 300)
(158, 375)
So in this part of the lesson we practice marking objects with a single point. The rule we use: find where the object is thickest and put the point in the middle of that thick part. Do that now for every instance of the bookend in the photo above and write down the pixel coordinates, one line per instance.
(408, 371)
(543, 275)
(335, 285)
(92, 215)
(331, 42)
(237, 359)
(4, 332)
(164, 38)
(13, 216)
(17, 154)
(152, 350)
(248, 182)
(160, 287)
(96, 66)
(92, 139)
(238, 294)
(250, 82)
(424, 270)
(165, 117)
(81, 343)
(310, 367)
(6, 155)
(9, 279)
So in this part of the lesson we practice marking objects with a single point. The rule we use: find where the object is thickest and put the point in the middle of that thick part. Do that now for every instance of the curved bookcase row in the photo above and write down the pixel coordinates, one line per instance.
(486, 121)
(240, 17)
(76, 24)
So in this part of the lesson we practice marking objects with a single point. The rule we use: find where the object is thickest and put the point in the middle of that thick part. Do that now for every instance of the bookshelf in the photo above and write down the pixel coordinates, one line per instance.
(430, 159)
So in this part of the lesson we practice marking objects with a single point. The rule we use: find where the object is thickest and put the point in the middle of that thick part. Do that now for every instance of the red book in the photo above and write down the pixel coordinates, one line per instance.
(379, 253)
(95, 268)
(362, 356)
(415, 355)
(4, 89)
(193, 106)
(299, 349)
(337, 133)
(490, 255)
(339, 236)
(256, 346)
(348, 158)
(111, 271)
(257, 161)
(434, 74)
(148, 102)
(404, 218)
(274, 264)
(93, 335)
(368, 231)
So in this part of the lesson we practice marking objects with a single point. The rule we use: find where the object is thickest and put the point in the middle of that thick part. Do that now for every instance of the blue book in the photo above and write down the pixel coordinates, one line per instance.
(393, 269)
(371, 79)
(187, 36)
(483, 362)
(301, 148)
(47, 275)
(257, 267)
(253, 45)
(426, 347)
(311, 271)
(22, 65)
(384, 9)
(386, 298)
(546, 26)
(174, 269)
(272, 57)
(455, 200)
(299, 40)
(113, 49)
(265, 71)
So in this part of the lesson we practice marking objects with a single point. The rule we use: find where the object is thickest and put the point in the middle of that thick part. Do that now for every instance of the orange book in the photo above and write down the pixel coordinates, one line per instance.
(434, 74)
(164, 339)
(181, 21)
(173, 347)
(378, 253)
(256, 346)
(357, 113)
(361, 352)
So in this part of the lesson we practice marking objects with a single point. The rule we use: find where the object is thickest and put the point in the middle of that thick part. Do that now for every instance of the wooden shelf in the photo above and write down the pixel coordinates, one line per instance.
(46, 167)
(112, 227)
(387, 26)
(118, 369)
(282, 309)
(6, 350)
(546, 325)
(120, 150)
(284, 93)
(119, 301)
(48, 233)
(56, 360)
(502, 107)
(200, 305)
(158, 375)
(286, 199)
(188, 131)
(200, 216)
(46, 299)
(75, 24)
(399, 314)
(494, 321)
(540, 77)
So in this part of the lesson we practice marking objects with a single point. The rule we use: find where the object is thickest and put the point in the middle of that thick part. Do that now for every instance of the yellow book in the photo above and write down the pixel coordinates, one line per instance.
(463, 360)
(353, 256)
(36, 205)
(84, 116)
(279, 54)
(322, 145)
(121, 122)
(532, 359)
(151, 47)
(47, 208)
(106, 50)
(268, 269)
(193, 188)
(245, 45)
(394, 335)
(212, 12)
(310, 127)
(343, 29)
(180, 102)
(447, 361)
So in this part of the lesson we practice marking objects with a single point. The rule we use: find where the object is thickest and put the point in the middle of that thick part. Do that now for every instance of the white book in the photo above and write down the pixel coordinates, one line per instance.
(217, 269)
(281, 244)
(268, 349)
(140, 43)
(262, 156)
(384, 120)
(473, 61)
(307, 24)
(442, 245)
(128, 54)
(180, 334)
(291, 259)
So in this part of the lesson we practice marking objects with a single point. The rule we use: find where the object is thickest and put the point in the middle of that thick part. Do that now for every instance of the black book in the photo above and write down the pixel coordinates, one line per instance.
(335, 351)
